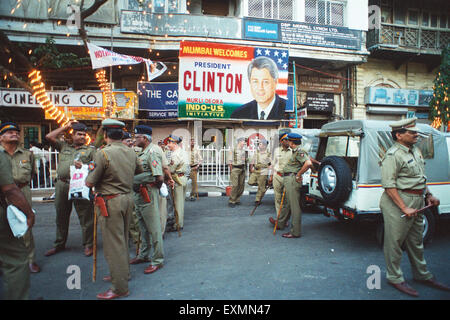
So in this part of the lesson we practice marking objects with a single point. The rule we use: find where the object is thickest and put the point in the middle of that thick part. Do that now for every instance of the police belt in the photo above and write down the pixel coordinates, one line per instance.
(64, 180)
(279, 173)
(181, 174)
(414, 191)
(239, 166)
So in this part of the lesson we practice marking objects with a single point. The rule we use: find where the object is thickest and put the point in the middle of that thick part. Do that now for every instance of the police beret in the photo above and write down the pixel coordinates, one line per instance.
(7, 126)
(240, 139)
(294, 136)
(78, 126)
(264, 141)
(142, 129)
(407, 124)
(112, 124)
(174, 138)
(126, 135)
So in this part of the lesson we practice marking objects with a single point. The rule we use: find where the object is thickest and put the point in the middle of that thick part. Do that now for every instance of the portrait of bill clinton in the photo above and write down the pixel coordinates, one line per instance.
(267, 105)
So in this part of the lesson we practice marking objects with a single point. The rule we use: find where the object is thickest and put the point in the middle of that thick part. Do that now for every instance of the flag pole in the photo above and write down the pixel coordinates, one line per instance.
(295, 97)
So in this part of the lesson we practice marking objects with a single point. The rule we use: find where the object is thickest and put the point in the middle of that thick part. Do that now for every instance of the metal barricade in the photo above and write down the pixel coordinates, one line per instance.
(46, 166)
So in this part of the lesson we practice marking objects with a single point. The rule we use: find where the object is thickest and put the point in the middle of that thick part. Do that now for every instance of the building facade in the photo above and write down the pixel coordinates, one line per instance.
(326, 40)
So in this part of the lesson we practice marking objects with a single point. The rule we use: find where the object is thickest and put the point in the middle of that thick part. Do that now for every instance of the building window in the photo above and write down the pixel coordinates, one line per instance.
(271, 9)
(434, 20)
(327, 12)
(413, 17)
(156, 6)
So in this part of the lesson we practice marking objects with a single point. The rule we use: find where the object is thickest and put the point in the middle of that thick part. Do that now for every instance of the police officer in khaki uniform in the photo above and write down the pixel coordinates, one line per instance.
(23, 169)
(195, 162)
(281, 157)
(13, 252)
(112, 175)
(178, 167)
(259, 169)
(135, 234)
(237, 162)
(75, 153)
(297, 165)
(146, 195)
(403, 178)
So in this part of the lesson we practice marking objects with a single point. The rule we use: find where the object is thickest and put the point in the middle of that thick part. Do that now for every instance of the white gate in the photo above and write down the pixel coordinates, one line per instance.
(46, 165)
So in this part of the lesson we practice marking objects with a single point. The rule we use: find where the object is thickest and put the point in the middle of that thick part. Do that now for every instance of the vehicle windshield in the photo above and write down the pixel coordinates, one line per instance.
(310, 145)
(342, 146)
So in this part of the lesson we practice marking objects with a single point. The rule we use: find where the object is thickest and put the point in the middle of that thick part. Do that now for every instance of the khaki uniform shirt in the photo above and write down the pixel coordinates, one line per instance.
(67, 154)
(179, 161)
(403, 168)
(23, 165)
(162, 154)
(296, 161)
(114, 168)
(238, 157)
(5, 179)
(196, 157)
(281, 157)
(151, 162)
(261, 160)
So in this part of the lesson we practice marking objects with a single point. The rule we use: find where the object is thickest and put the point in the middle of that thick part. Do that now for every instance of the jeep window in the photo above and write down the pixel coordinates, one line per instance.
(342, 146)
(425, 145)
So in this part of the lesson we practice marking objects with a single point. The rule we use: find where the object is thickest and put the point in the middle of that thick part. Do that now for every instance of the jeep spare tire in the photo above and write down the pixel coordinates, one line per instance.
(335, 180)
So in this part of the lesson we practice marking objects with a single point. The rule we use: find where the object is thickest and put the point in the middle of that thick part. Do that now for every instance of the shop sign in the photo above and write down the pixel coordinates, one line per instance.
(398, 97)
(159, 100)
(213, 81)
(319, 83)
(320, 102)
(126, 104)
(19, 98)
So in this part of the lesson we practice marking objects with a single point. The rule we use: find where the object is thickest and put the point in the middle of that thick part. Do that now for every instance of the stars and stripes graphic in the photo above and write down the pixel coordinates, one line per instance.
(281, 58)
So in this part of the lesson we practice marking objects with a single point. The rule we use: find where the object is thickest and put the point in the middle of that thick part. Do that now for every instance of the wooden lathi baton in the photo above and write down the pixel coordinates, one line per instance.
(420, 210)
(279, 211)
(94, 271)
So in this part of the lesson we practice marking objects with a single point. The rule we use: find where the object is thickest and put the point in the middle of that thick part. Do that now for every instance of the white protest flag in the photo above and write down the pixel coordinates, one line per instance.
(101, 58)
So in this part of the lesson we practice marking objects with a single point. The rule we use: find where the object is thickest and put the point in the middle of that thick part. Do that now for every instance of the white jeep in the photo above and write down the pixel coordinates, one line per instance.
(348, 180)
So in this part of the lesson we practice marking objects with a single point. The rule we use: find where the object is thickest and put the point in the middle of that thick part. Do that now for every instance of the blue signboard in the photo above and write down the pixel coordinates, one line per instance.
(158, 99)
(290, 100)
(301, 33)
(398, 97)
(261, 30)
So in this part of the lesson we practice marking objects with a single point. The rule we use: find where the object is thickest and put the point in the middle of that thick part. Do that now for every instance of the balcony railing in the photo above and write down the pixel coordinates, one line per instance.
(409, 38)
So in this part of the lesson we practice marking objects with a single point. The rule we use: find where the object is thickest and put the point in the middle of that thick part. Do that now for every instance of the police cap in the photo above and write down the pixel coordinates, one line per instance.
(174, 138)
(112, 124)
(7, 126)
(142, 129)
(407, 124)
(126, 135)
(78, 126)
(292, 136)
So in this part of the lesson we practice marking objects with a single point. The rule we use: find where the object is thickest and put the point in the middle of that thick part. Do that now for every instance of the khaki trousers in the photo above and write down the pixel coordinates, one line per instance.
(84, 209)
(194, 187)
(292, 197)
(13, 262)
(237, 181)
(256, 178)
(115, 240)
(28, 237)
(278, 188)
(149, 222)
(407, 231)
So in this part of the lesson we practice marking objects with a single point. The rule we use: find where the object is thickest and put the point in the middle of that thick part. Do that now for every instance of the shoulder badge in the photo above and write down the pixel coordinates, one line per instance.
(154, 163)
(91, 166)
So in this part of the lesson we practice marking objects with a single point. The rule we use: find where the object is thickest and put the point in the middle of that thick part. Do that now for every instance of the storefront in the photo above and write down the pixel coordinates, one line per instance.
(384, 103)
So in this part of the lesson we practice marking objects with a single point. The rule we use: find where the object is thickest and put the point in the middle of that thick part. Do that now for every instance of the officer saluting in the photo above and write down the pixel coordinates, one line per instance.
(69, 154)
(112, 176)
(297, 165)
(403, 178)
(146, 198)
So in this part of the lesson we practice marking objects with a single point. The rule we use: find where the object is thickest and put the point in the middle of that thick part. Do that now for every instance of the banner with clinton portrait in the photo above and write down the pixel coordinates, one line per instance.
(225, 81)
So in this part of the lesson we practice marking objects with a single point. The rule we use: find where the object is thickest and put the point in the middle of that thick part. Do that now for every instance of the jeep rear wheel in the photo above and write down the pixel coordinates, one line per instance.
(335, 180)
